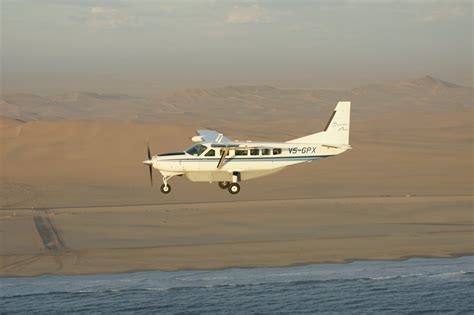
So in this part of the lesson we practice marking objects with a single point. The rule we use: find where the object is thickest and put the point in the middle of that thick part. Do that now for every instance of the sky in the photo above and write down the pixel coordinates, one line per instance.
(138, 47)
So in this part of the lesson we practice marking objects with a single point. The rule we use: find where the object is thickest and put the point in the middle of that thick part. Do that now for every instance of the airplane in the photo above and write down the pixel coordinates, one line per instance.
(216, 158)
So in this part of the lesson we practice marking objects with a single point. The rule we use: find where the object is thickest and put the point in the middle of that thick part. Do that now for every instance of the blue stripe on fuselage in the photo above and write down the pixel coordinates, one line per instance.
(246, 159)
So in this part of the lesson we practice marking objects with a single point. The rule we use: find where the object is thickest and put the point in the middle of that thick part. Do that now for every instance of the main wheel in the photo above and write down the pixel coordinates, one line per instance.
(224, 185)
(234, 188)
(166, 189)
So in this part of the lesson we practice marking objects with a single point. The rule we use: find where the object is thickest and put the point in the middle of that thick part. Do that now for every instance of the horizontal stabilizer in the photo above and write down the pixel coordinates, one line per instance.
(335, 146)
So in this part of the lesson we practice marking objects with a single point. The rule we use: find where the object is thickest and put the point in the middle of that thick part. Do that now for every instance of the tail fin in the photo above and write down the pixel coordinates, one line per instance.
(337, 128)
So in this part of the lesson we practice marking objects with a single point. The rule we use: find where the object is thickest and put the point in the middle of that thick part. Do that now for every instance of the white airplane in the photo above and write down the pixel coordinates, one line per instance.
(216, 158)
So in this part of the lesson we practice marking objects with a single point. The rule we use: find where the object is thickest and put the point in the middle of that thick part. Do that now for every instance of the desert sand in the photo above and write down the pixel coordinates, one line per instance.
(233, 234)
(75, 197)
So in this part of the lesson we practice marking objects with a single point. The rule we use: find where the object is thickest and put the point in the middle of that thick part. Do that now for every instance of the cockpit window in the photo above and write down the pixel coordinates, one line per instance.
(211, 152)
(196, 150)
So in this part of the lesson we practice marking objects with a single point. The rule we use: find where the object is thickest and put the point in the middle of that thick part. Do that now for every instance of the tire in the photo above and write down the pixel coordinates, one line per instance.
(234, 188)
(165, 189)
(224, 185)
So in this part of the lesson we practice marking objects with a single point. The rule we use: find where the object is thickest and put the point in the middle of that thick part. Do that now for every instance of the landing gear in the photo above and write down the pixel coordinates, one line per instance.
(165, 188)
(234, 188)
(224, 185)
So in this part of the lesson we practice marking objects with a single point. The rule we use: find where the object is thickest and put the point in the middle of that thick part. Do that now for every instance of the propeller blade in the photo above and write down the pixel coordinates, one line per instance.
(151, 174)
(149, 162)
(149, 153)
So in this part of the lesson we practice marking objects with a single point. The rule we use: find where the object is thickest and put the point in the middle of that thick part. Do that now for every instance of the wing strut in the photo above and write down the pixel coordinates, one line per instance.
(221, 160)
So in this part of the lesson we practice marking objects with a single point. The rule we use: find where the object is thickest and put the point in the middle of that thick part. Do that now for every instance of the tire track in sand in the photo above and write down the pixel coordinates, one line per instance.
(52, 239)
(50, 235)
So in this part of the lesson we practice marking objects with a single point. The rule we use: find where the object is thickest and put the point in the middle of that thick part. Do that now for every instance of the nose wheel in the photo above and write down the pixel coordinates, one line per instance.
(166, 189)
(234, 188)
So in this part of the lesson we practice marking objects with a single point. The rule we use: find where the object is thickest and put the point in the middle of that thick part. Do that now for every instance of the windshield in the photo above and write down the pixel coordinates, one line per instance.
(196, 150)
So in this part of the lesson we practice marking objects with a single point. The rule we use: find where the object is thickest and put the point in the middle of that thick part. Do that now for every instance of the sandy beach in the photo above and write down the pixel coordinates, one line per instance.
(227, 234)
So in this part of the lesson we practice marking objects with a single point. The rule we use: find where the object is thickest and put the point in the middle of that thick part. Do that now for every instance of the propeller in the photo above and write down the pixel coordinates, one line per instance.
(149, 162)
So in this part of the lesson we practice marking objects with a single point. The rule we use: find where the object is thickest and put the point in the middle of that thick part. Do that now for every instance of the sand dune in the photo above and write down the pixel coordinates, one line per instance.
(93, 162)
(252, 102)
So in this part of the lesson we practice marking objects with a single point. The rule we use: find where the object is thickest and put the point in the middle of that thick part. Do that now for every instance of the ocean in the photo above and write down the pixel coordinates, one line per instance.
(418, 285)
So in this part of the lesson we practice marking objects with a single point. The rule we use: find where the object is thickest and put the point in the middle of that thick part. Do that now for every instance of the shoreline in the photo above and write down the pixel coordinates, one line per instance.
(346, 261)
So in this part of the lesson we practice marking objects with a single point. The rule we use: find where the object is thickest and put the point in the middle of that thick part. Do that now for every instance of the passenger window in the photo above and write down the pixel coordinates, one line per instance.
(241, 152)
(265, 151)
(211, 153)
(276, 151)
(254, 151)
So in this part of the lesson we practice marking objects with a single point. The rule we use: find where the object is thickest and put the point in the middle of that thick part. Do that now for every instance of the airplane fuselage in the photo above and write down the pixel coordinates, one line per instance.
(250, 163)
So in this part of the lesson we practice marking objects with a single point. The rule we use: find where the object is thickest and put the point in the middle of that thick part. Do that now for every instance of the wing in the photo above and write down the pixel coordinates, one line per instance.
(212, 136)
(238, 145)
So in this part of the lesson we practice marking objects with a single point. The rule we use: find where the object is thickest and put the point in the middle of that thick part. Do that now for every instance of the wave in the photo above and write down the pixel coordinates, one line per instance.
(199, 284)
(220, 286)
(159, 281)
(451, 274)
(397, 276)
(156, 289)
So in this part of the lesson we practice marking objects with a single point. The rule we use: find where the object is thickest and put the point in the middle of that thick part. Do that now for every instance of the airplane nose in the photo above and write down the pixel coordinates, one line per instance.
(148, 162)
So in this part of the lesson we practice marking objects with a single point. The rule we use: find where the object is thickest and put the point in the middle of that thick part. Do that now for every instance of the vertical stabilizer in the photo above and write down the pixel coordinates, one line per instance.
(337, 128)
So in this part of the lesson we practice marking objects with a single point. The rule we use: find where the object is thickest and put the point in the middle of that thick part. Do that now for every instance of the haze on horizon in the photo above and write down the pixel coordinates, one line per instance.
(144, 46)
